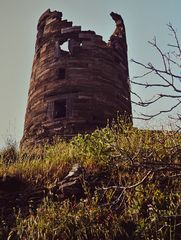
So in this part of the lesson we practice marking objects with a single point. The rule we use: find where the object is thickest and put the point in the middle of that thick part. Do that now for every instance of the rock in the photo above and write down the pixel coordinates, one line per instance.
(76, 171)
(71, 186)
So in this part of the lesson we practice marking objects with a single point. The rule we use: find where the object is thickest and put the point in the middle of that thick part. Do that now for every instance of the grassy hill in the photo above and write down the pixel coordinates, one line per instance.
(125, 184)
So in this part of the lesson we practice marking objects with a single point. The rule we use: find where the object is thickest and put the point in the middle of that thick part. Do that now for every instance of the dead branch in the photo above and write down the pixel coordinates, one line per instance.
(148, 117)
(169, 77)
(131, 186)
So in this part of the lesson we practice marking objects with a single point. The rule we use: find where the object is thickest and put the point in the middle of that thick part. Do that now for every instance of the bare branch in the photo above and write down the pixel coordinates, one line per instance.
(129, 187)
(169, 76)
(170, 27)
(160, 96)
(171, 60)
(143, 75)
(117, 201)
(148, 117)
(169, 96)
(151, 67)
(136, 96)
(150, 85)
(154, 44)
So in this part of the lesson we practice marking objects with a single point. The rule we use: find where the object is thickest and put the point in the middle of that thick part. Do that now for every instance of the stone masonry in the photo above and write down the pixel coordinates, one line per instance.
(75, 90)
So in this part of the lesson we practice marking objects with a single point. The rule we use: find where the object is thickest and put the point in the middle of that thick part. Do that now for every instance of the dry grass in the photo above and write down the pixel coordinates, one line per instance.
(150, 210)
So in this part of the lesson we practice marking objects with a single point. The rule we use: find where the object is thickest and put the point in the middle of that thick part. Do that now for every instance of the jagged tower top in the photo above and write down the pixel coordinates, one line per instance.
(77, 89)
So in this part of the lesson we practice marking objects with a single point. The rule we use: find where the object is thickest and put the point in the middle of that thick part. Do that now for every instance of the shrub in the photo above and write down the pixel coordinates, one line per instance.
(9, 153)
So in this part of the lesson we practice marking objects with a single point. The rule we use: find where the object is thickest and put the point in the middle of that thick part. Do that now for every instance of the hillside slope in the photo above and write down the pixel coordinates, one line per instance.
(116, 183)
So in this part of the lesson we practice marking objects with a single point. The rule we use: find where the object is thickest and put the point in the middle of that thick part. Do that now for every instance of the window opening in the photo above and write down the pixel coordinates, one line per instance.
(64, 46)
(61, 73)
(60, 108)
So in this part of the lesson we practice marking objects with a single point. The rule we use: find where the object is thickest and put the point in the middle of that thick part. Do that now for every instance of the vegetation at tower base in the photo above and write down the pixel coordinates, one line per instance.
(115, 183)
(75, 90)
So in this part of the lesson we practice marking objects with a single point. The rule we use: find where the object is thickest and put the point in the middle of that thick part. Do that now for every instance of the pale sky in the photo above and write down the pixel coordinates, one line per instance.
(143, 19)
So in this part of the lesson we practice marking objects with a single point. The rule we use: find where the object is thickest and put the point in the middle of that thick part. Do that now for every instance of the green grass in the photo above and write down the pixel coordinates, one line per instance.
(149, 210)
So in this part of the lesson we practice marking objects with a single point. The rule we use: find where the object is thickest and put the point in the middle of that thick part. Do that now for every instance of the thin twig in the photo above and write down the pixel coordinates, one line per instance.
(129, 187)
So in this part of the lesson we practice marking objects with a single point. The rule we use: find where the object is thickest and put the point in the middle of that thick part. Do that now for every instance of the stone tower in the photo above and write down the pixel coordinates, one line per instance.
(75, 90)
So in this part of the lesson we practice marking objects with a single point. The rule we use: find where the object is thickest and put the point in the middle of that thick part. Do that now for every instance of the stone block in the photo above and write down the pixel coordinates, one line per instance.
(71, 29)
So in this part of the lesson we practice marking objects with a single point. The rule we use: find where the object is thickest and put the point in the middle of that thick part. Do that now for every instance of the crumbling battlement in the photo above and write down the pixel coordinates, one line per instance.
(75, 90)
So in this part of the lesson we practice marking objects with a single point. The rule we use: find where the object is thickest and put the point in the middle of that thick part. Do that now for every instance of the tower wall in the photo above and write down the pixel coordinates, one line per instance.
(77, 90)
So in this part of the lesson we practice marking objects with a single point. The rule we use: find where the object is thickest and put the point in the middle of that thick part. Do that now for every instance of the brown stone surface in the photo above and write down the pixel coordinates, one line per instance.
(75, 90)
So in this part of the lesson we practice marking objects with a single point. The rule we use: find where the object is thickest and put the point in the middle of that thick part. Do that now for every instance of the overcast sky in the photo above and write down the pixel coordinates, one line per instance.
(143, 19)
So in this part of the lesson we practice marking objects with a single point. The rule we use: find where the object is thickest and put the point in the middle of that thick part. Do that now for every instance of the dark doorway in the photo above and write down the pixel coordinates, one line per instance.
(61, 73)
(60, 108)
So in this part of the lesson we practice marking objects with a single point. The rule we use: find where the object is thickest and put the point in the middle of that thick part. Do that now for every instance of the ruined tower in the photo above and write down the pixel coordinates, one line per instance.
(75, 90)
